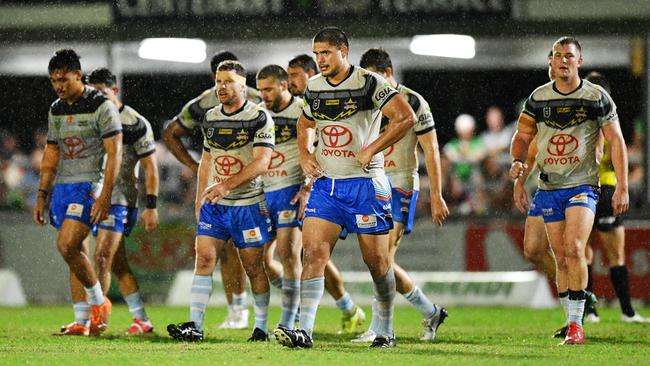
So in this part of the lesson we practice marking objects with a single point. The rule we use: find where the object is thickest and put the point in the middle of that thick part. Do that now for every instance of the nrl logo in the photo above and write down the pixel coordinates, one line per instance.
(547, 112)
(209, 132)
(316, 103)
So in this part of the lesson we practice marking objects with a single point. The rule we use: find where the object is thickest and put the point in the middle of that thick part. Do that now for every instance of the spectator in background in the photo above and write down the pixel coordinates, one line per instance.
(496, 138)
(12, 166)
(464, 155)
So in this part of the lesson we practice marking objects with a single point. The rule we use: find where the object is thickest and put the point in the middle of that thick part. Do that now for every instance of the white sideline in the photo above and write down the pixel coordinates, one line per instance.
(522, 289)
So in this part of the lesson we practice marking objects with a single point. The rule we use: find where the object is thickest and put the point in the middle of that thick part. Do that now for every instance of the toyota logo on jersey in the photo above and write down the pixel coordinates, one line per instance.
(562, 145)
(74, 148)
(227, 165)
(389, 150)
(276, 160)
(336, 136)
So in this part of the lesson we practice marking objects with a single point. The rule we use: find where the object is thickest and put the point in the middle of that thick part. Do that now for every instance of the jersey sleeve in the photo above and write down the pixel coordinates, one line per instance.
(382, 91)
(52, 130)
(108, 120)
(306, 106)
(607, 112)
(265, 133)
(528, 107)
(422, 110)
(192, 113)
(145, 145)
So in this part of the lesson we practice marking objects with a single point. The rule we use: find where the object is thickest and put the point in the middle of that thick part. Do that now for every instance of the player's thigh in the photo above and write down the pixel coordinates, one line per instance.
(535, 239)
(107, 243)
(288, 241)
(374, 248)
(395, 238)
(579, 223)
(319, 239)
(71, 235)
(252, 258)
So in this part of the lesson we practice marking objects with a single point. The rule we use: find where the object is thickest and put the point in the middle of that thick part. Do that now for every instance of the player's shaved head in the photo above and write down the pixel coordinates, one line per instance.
(273, 71)
(332, 35)
(376, 58)
(304, 62)
(569, 40)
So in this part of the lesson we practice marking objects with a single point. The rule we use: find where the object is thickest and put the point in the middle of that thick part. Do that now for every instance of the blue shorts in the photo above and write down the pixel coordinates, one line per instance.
(121, 219)
(248, 226)
(404, 203)
(358, 205)
(282, 212)
(71, 201)
(535, 208)
(554, 203)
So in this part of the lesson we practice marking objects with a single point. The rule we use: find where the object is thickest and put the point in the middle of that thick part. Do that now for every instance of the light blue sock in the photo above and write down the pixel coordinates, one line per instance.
(385, 295)
(290, 302)
(199, 297)
(417, 298)
(261, 308)
(277, 283)
(239, 299)
(81, 312)
(136, 306)
(345, 303)
(95, 294)
(311, 292)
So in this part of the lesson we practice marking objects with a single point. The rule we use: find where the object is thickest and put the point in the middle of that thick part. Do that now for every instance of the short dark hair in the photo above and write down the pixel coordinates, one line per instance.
(273, 71)
(231, 65)
(599, 79)
(332, 35)
(550, 53)
(377, 58)
(220, 57)
(304, 62)
(65, 58)
(101, 75)
(569, 40)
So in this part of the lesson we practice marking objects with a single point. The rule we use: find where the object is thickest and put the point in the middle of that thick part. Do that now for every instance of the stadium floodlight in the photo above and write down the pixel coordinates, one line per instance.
(190, 50)
(443, 45)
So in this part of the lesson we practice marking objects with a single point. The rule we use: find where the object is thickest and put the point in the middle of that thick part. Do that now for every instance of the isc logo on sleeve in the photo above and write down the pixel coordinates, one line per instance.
(252, 235)
(366, 221)
(74, 209)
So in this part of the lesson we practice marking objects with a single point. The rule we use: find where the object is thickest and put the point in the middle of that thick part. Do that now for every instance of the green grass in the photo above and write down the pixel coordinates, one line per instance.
(471, 336)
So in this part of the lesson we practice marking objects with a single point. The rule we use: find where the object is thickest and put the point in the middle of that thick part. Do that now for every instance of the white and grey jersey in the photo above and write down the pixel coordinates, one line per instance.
(230, 138)
(348, 118)
(78, 130)
(137, 142)
(567, 132)
(192, 113)
(284, 170)
(401, 159)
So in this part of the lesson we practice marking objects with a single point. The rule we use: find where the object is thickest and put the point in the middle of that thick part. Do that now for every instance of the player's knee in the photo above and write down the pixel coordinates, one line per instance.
(67, 251)
(205, 260)
(574, 249)
(533, 253)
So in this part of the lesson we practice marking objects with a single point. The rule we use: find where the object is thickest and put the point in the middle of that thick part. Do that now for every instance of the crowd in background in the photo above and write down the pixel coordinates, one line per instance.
(474, 170)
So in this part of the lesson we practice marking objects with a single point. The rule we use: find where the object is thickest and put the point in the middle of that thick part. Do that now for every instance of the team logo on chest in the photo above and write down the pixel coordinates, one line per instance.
(547, 112)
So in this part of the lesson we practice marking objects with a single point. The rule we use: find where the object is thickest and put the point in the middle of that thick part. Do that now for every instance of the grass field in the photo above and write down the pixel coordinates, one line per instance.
(471, 336)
